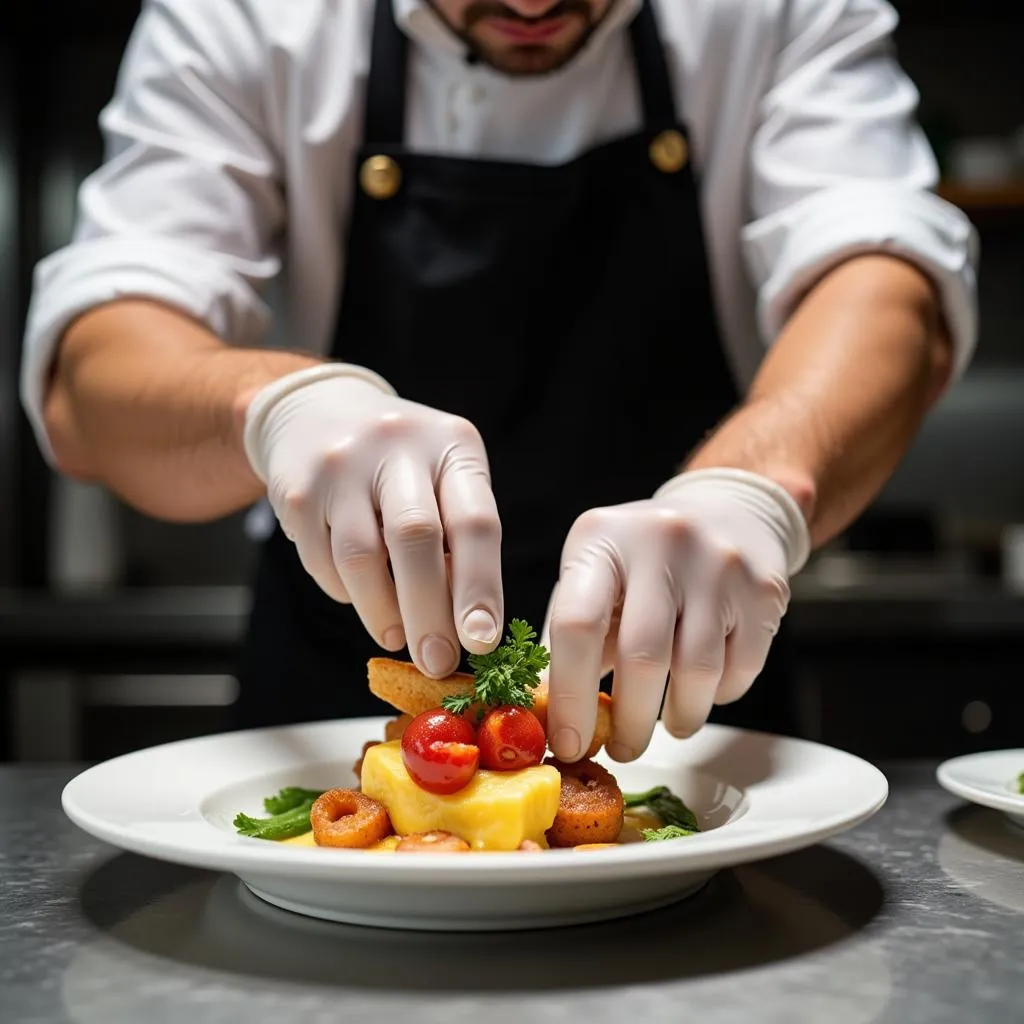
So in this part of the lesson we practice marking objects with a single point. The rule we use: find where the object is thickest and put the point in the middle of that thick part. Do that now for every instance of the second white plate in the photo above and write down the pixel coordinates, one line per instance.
(988, 778)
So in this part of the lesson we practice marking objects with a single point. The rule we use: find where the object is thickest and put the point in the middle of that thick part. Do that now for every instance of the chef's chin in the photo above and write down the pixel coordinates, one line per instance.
(511, 58)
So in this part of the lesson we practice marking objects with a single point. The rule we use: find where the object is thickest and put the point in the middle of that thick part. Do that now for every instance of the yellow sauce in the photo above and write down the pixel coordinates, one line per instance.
(634, 821)
(306, 839)
(386, 845)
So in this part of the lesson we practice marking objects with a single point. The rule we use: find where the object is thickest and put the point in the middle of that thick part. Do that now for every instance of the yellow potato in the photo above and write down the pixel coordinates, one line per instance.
(496, 811)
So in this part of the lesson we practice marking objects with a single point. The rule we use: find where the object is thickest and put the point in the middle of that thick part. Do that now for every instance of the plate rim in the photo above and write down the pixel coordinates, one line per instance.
(727, 846)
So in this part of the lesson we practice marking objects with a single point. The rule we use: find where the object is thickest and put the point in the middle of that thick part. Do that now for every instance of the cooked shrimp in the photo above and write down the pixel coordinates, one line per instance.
(432, 842)
(590, 806)
(603, 729)
(348, 818)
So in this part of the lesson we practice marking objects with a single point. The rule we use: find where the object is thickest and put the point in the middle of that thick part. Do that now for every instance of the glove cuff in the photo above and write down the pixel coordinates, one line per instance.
(269, 396)
(772, 501)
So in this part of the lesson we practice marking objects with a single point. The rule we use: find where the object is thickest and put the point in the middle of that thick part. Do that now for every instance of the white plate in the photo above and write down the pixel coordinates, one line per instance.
(756, 796)
(989, 779)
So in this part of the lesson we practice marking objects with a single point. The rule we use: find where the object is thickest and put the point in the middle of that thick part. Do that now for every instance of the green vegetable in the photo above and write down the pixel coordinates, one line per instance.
(677, 818)
(506, 676)
(281, 826)
(1020, 782)
(289, 798)
(289, 815)
(652, 835)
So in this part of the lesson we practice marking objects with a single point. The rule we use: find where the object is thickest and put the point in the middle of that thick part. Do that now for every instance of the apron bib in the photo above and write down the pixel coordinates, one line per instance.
(566, 311)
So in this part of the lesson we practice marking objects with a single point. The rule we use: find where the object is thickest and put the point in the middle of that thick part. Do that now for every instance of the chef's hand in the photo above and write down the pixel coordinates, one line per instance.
(689, 586)
(358, 476)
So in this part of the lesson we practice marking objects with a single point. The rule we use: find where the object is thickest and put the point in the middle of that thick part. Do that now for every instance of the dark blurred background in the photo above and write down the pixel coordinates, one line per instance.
(118, 632)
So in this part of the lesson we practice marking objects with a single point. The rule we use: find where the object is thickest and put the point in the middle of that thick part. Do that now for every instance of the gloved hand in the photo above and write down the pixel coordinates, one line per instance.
(357, 475)
(689, 586)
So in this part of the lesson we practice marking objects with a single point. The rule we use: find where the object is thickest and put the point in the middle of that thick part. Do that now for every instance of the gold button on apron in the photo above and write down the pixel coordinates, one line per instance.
(669, 152)
(380, 177)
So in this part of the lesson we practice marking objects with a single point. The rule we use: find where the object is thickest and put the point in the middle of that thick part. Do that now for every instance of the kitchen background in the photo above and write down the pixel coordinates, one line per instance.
(118, 632)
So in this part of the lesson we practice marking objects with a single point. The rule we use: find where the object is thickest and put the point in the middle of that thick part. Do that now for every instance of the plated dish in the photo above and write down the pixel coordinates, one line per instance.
(992, 778)
(748, 796)
(463, 769)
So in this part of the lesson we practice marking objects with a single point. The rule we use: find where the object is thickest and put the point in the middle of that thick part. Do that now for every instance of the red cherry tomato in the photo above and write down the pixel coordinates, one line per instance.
(511, 738)
(440, 752)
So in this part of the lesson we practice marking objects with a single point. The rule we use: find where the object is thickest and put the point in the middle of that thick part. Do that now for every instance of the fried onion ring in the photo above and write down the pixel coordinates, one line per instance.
(348, 818)
(590, 805)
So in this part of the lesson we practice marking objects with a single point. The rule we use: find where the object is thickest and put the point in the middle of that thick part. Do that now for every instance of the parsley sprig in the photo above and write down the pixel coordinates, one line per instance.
(653, 835)
(506, 676)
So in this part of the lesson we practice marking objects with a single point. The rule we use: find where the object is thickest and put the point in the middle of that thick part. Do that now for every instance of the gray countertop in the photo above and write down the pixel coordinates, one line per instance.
(915, 916)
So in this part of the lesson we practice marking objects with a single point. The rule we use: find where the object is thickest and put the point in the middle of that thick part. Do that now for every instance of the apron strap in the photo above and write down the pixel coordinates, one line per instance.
(386, 82)
(652, 70)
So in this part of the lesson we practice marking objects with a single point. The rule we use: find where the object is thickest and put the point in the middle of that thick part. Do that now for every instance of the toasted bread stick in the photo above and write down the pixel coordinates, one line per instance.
(404, 687)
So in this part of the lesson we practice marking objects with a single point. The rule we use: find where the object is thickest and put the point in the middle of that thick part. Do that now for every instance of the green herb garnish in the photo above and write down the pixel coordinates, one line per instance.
(289, 798)
(289, 815)
(653, 835)
(677, 818)
(506, 676)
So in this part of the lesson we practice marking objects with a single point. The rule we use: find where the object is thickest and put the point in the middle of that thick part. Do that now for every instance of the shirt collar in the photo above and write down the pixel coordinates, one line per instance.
(418, 20)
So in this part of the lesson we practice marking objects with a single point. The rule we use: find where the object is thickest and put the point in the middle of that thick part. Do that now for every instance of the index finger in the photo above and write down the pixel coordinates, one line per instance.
(580, 620)
(472, 529)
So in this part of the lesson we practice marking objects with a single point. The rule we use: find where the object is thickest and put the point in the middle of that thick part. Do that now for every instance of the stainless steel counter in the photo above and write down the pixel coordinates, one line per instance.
(916, 916)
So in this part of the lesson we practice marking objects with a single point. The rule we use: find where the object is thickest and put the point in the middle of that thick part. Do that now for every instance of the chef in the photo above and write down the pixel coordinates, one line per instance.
(597, 313)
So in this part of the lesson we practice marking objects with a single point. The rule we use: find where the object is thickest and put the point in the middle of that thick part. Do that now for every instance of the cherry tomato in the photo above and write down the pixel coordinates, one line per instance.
(440, 752)
(511, 738)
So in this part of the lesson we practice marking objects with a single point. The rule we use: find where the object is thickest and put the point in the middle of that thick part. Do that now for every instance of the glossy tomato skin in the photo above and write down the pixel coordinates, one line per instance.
(510, 739)
(439, 751)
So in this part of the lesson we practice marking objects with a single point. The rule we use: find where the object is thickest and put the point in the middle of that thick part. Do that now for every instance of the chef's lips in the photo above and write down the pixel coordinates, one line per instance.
(526, 56)
(481, 9)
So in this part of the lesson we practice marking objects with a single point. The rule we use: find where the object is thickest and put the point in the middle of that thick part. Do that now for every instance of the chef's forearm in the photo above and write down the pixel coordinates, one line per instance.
(145, 401)
(842, 392)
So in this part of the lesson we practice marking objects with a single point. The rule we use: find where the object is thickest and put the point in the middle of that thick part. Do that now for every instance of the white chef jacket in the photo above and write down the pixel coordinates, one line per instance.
(232, 132)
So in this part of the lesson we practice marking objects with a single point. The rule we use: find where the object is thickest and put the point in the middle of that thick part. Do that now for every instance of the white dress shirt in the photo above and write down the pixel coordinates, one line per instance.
(232, 133)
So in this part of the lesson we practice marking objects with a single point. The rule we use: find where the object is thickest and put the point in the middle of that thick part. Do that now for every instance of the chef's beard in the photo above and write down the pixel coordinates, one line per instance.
(528, 60)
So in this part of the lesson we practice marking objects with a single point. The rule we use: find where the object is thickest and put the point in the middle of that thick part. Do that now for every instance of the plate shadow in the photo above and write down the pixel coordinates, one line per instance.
(748, 917)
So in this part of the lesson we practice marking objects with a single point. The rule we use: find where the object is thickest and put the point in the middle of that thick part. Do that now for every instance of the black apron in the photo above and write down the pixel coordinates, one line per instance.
(566, 311)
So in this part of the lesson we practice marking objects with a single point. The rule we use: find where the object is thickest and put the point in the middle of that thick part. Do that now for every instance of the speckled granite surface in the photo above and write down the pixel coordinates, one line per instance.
(916, 916)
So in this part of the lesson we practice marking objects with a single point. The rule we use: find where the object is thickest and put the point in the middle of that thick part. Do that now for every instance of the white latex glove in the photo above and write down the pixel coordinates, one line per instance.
(356, 476)
(689, 586)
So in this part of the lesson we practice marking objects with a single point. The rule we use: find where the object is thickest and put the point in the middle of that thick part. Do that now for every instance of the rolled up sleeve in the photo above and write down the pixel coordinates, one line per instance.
(187, 208)
(839, 167)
